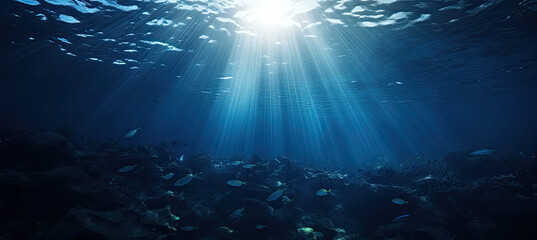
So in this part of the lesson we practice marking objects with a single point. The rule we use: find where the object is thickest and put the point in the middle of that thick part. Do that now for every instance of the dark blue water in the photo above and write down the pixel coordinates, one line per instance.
(340, 85)
(431, 77)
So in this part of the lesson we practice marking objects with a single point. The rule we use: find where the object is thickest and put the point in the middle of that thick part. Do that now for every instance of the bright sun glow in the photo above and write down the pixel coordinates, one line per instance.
(268, 13)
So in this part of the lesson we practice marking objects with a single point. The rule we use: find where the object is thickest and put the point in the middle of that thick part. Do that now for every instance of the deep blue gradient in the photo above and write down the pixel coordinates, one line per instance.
(349, 97)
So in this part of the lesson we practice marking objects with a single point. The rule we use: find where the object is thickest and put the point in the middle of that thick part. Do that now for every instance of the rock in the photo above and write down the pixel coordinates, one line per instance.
(118, 224)
(37, 153)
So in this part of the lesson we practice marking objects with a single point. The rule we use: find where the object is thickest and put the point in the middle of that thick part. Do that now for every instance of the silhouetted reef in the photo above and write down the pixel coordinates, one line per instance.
(57, 186)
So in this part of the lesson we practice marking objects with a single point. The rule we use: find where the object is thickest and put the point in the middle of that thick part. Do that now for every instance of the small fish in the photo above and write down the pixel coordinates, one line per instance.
(236, 163)
(249, 165)
(482, 152)
(306, 231)
(235, 183)
(132, 132)
(189, 228)
(428, 177)
(260, 226)
(275, 195)
(181, 158)
(184, 180)
(322, 192)
(286, 200)
(127, 168)
(237, 213)
(125, 154)
(225, 232)
(318, 234)
(399, 201)
(168, 176)
(402, 217)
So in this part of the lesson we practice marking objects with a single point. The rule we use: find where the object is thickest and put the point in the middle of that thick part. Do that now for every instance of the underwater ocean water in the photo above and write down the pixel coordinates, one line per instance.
(268, 119)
